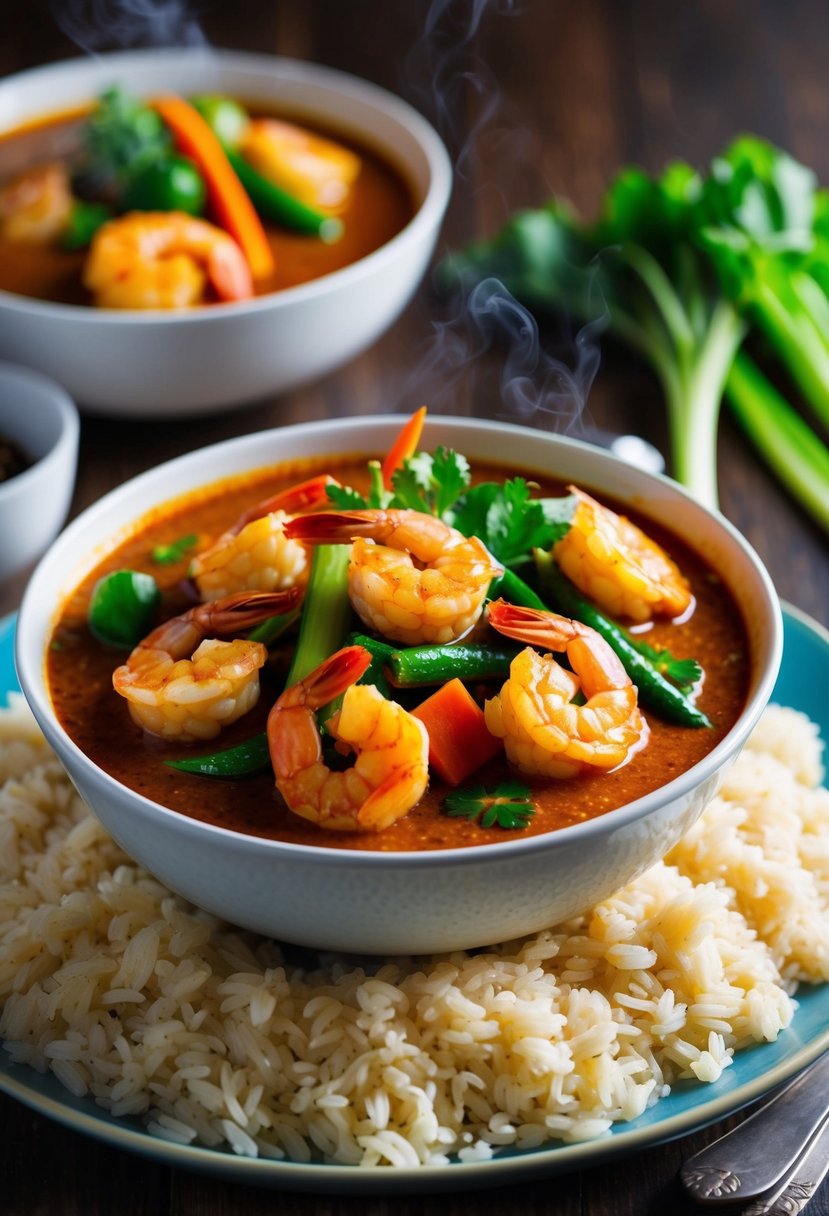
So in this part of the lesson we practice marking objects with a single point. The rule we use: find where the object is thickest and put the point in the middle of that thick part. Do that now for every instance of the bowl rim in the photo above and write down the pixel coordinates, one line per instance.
(31, 672)
(428, 214)
(69, 424)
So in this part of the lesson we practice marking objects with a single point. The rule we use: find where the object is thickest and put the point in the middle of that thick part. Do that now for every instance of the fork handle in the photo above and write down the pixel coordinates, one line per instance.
(751, 1159)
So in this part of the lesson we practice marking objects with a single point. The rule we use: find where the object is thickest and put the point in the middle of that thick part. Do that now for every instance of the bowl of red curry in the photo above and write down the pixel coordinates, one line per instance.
(183, 230)
(387, 687)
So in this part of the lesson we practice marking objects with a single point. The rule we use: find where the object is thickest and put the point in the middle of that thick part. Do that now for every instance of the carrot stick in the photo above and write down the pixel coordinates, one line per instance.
(228, 199)
(405, 445)
(459, 742)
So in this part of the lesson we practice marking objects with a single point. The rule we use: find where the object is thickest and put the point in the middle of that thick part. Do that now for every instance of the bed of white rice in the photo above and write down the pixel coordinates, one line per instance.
(155, 1010)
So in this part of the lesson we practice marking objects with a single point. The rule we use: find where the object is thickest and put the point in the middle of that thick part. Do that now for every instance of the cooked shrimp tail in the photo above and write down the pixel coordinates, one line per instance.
(182, 683)
(231, 615)
(293, 737)
(391, 747)
(254, 553)
(411, 577)
(304, 496)
(544, 730)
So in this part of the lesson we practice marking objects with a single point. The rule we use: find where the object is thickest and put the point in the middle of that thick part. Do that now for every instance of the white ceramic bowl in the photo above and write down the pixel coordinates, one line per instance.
(143, 364)
(386, 902)
(42, 419)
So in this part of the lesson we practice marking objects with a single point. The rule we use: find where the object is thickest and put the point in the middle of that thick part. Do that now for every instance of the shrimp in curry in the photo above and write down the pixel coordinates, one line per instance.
(351, 742)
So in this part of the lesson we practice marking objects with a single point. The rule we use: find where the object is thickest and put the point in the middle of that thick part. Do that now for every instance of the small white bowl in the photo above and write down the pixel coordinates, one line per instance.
(42, 419)
(148, 364)
(390, 903)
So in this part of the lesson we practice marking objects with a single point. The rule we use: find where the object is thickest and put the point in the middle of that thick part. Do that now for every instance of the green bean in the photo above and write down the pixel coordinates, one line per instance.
(244, 760)
(655, 692)
(511, 587)
(281, 207)
(380, 652)
(416, 665)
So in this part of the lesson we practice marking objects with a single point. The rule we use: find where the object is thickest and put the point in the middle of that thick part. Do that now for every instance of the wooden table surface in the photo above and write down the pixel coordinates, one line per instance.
(538, 97)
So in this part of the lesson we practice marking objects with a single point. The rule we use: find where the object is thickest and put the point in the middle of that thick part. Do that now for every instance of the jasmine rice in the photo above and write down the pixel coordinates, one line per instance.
(156, 1010)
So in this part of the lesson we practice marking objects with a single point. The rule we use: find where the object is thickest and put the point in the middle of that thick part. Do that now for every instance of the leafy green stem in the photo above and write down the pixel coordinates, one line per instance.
(787, 443)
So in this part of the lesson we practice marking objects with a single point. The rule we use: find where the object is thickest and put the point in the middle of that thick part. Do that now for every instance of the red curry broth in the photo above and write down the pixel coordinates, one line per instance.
(380, 204)
(80, 677)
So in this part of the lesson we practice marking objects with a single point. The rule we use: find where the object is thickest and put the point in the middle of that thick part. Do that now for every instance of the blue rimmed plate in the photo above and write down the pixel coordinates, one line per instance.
(802, 683)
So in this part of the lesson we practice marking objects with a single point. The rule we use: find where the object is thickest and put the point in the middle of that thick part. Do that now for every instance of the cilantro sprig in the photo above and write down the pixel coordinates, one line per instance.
(510, 805)
(509, 521)
(685, 673)
(505, 516)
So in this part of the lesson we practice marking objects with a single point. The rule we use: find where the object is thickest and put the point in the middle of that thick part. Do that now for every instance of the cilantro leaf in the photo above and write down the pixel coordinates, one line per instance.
(509, 521)
(349, 499)
(345, 498)
(685, 673)
(168, 555)
(424, 482)
(431, 483)
(509, 805)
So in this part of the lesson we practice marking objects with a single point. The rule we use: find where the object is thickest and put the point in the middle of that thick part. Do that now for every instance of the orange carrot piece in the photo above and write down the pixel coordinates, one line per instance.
(405, 445)
(459, 742)
(227, 196)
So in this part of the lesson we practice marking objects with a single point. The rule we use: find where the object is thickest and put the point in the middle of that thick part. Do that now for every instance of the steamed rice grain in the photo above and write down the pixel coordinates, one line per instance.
(156, 1010)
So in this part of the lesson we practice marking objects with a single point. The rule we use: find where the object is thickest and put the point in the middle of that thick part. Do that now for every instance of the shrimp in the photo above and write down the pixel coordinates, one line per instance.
(611, 560)
(35, 206)
(164, 259)
(391, 769)
(312, 168)
(255, 554)
(182, 684)
(423, 581)
(544, 732)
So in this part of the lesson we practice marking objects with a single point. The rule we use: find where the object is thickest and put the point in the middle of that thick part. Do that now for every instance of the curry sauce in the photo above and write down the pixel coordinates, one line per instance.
(79, 670)
(379, 205)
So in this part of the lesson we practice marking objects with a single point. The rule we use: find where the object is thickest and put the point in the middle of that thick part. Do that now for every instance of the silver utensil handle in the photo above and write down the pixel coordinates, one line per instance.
(797, 1187)
(751, 1159)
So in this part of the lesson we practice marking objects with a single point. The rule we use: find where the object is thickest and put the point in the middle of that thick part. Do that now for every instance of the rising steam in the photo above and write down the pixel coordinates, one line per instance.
(447, 76)
(97, 25)
(487, 357)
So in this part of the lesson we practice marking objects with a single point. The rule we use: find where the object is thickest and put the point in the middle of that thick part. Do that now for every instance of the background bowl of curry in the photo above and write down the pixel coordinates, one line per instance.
(379, 901)
(203, 359)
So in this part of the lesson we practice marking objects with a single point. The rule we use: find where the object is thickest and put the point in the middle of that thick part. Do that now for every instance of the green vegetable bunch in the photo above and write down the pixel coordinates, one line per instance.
(129, 164)
(686, 267)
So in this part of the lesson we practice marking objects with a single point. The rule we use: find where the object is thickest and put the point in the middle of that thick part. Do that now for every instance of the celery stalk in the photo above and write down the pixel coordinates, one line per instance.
(788, 444)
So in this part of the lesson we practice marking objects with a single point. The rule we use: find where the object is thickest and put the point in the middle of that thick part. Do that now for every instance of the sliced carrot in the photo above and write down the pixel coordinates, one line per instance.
(405, 445)
(459, 742)
(226, 194)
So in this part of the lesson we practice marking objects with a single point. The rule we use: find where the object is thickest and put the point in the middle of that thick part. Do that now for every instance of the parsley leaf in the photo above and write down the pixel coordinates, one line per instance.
(168, 555)
(685, 673)
(509, 521)
(509, 805)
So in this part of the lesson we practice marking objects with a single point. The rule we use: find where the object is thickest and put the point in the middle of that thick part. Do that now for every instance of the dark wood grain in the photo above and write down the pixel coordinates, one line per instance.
(544, 97)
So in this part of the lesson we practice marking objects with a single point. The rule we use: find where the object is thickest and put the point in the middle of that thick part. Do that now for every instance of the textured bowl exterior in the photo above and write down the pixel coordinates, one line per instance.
(401, 903)
(40, 416)
(146, 364)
